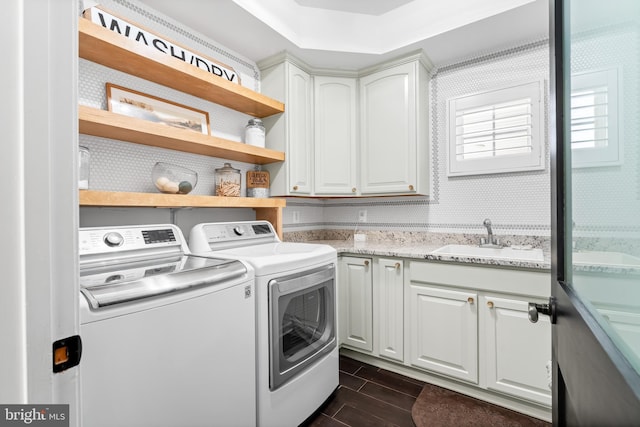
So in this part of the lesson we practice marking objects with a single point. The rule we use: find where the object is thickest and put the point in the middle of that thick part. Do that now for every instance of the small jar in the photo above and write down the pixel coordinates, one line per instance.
(257, 182)
(83, 168)
(254, 133)
(228, 181)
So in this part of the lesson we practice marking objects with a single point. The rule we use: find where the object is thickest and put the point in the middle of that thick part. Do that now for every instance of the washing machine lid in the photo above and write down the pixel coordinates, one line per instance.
(106, 285)
(276, 258)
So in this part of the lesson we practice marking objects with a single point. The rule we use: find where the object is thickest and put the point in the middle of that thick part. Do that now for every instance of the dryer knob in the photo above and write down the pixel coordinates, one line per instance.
(113, 239)
(238, 230)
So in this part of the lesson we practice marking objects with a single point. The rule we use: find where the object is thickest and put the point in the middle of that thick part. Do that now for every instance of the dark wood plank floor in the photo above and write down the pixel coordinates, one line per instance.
(368, 396)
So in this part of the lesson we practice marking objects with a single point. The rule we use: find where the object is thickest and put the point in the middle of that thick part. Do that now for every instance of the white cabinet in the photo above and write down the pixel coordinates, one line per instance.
(470, 323)
(335, 123)
(355, 303)
(389, 308)
(444, 330)
(394, 135)
(349, 133)
(515, 354)
(291, 131)
(463, 325)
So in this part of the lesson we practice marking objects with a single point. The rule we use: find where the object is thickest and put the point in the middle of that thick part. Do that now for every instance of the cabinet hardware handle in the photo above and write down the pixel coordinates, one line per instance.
(411, 188)
(490, 304)
(366, 262)
(470, 300)
(397, 266)
(353, 190)
(295, 188)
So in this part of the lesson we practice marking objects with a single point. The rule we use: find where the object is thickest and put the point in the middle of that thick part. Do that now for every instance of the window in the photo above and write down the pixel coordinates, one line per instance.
(594, 119)
(497, 131)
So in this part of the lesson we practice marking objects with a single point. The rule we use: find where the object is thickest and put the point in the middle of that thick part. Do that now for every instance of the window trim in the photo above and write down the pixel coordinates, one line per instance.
(532, 161)
(612, 154)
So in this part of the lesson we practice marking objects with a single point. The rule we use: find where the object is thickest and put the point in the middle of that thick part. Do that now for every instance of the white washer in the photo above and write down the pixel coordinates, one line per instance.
(297, 353)
(168, 337)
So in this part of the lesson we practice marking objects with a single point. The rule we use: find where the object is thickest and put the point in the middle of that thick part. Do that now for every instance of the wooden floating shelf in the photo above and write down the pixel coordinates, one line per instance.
(105, 47)
(96, 122)
(159, 200)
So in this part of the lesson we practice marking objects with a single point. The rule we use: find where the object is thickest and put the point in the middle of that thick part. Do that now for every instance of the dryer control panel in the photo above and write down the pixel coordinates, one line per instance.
(223, 235)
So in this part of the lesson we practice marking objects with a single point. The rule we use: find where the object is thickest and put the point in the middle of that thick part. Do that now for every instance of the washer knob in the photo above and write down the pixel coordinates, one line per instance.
(113, 239)
(238, 230)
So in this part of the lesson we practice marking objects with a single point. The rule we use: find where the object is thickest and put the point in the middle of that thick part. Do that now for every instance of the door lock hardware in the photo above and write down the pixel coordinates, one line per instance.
(548, 309)
(66, 353)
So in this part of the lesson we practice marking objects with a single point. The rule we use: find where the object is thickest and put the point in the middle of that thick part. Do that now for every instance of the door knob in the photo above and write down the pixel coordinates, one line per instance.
(549, 309)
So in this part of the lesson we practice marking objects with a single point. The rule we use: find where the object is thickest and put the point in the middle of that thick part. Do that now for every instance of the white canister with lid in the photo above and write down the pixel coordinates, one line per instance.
(254, 133)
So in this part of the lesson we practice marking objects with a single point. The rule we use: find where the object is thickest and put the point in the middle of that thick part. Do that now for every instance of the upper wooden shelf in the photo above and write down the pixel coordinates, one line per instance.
(115, 51)
(159, 200)
(97, 122)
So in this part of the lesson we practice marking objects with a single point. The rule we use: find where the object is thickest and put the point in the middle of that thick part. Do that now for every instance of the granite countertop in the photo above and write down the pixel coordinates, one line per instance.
(424, 251)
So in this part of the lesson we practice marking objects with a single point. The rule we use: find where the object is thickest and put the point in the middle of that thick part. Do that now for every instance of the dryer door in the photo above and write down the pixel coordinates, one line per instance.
(301, 322)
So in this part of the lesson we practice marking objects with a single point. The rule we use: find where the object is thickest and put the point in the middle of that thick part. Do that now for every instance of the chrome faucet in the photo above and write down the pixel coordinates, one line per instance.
(490, 241)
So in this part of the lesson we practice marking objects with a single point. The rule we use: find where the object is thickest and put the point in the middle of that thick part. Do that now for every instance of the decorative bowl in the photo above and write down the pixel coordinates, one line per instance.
(173, 179)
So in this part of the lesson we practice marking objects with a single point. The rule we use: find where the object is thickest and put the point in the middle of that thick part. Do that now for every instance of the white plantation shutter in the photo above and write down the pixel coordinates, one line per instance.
(496, 131)
(594, 119)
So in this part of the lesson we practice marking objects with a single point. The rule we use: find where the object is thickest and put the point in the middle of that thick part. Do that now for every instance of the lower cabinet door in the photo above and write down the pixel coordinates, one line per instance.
(390, 309)
(355, 319)
(444, 331)
(516, 354)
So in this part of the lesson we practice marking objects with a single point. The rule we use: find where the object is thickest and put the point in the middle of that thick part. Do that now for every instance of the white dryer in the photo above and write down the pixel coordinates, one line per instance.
(297, 353)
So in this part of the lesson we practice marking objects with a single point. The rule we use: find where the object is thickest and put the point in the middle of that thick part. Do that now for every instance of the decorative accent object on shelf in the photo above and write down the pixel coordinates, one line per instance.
(258, 183)
(254, 133)
(83, 168)
(228, 181)
(164, 45)
(136, 104)
(173, 179)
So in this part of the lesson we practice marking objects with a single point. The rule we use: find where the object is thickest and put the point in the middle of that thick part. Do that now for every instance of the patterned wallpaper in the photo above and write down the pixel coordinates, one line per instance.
(123, 166)
(517, 203)
(606, 200)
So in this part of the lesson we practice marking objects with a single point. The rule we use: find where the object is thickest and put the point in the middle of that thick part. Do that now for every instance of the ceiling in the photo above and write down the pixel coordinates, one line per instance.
(355, 34)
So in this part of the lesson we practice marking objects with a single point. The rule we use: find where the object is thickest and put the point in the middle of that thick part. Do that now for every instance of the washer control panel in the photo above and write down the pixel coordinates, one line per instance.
(95, 240)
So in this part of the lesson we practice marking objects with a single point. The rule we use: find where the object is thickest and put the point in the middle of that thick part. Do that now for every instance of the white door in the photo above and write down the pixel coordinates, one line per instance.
(335, 136)
(516, 354)
(444, 331)
(388, 131)
(356, 303)
(389, 292)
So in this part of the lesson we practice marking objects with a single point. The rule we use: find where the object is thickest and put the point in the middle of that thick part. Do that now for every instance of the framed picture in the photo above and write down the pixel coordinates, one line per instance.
(132, 103)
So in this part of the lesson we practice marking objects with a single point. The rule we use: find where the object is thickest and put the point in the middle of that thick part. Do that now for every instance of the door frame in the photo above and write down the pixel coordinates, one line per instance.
(593, 383)
(39, 299)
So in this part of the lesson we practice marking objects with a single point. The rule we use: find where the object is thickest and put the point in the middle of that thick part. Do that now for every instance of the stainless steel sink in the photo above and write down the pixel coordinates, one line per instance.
(507, 253)
(608, 259)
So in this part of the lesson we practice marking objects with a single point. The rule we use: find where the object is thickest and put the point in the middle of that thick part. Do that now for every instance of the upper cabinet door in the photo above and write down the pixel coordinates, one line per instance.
(299, 127)
(291, 131)
(394, 134)
(335, 136)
